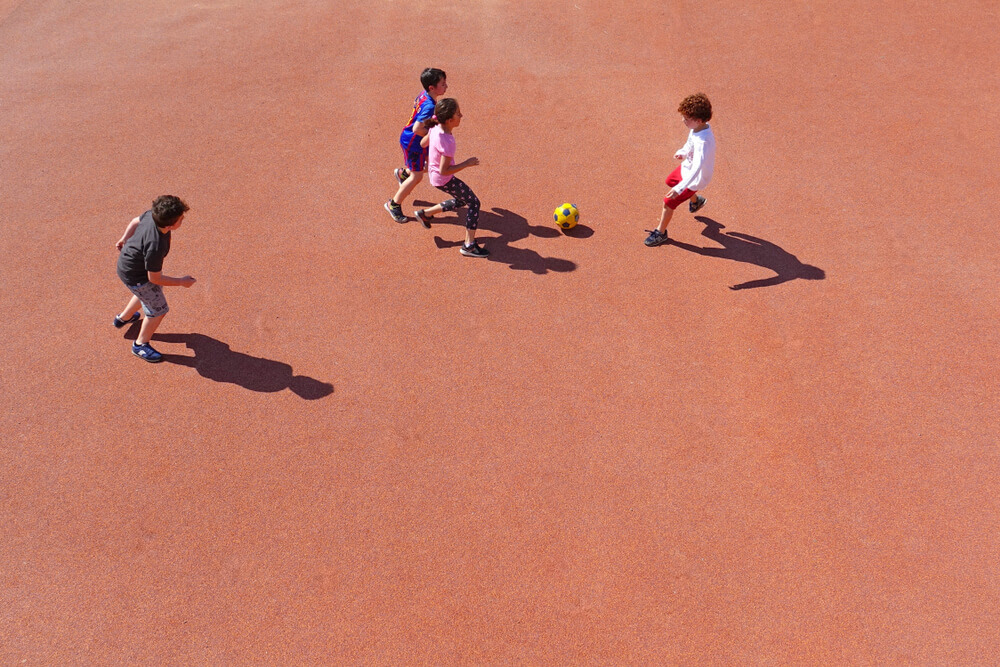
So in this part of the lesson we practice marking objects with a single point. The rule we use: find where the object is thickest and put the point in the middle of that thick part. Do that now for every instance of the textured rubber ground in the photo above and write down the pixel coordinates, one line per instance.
(364, 448)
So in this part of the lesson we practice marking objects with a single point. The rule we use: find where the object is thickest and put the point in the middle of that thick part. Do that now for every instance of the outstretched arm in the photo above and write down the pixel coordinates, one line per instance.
(448, 169)
(157, 278)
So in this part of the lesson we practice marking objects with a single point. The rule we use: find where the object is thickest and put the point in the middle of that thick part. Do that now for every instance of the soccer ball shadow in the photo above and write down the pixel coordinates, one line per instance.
(512, 228)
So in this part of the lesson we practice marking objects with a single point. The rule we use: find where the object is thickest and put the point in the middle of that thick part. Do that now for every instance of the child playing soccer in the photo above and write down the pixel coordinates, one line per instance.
(695, 170)
(435, 85)
(143, 247)
(442, 169)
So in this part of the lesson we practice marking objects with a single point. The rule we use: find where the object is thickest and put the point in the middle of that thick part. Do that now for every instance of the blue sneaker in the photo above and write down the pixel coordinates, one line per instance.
(119, 322)
(146, 351)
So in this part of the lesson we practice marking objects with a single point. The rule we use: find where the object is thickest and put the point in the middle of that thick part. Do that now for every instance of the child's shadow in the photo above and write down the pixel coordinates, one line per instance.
(214, 360)
(511, 228)
(752, 250)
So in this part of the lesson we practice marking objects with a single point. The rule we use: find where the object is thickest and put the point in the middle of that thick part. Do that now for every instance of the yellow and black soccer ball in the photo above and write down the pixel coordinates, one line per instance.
(567, 216)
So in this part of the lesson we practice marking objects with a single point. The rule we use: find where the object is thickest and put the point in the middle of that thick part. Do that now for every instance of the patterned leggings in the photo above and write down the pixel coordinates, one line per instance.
(463, 196)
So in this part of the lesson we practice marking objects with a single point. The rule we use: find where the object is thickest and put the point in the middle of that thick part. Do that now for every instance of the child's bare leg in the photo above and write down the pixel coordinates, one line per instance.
(148, 328)
(470, 237)
(433, 210)
(406, 187)
(665, 218)
(130, 309)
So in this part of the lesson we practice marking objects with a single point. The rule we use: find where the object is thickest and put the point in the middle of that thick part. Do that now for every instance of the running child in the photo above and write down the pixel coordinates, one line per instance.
(695, 170)
(143, 247)
(443, 168)
(435, 85)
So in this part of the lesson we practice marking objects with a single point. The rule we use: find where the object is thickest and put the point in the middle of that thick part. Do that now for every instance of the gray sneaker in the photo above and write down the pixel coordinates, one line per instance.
(695, 204)
(396, 211)
(424, 219)
(474, 250)
(655, 238)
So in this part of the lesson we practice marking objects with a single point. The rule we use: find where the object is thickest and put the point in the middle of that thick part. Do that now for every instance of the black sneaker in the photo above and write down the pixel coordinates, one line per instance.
(119, 322)
(424, 219)
(396, 211)
(655, 238)
(401, 174)
(474, 250)
(695, 204)
(146, 351)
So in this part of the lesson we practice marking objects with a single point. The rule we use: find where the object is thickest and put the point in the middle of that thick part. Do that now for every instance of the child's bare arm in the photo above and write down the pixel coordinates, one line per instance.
(157, 278)
(129, 231)
(449, 169)
(425, 141)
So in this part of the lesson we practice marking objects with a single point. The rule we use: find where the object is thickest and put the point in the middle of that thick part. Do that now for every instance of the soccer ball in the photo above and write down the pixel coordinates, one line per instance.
(567, 216)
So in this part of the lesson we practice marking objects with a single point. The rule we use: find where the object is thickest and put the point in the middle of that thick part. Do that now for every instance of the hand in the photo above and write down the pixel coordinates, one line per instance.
(119, 245)
(679, 155)
(187, 281)
(674, 193)
(472, 162)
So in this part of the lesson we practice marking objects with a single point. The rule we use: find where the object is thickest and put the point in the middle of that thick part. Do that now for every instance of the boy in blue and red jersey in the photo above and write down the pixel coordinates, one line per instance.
(435, 85)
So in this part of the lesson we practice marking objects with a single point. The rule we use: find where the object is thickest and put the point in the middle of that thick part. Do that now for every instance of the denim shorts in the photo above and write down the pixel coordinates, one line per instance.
(154, 303)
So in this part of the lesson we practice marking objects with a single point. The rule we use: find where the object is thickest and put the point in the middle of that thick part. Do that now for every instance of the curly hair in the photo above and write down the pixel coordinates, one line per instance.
(697, 106)
(166, 210)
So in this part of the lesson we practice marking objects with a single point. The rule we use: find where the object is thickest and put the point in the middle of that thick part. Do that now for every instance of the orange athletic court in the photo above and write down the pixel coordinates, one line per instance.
(771, 440)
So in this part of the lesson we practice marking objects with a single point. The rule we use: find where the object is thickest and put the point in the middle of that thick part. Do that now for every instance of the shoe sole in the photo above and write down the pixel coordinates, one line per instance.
(469, 254)
(391, 213)
(147, 359)
(658, 243)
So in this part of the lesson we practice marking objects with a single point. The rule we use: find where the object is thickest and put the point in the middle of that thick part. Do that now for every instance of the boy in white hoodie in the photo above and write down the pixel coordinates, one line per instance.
(695, 171)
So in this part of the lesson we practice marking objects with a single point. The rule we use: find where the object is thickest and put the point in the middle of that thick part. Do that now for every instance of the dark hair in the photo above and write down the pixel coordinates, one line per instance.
(445, 109)
(431, 77)
(697, 106)
(166, 210)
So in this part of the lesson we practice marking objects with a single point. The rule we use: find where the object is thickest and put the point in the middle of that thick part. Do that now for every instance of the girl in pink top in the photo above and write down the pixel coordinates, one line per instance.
(442, 169)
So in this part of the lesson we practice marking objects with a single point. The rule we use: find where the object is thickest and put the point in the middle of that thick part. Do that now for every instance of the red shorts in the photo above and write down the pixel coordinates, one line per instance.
(673, 179)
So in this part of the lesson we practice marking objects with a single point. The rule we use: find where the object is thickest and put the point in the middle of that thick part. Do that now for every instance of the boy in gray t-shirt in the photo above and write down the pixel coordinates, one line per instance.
(143, 247)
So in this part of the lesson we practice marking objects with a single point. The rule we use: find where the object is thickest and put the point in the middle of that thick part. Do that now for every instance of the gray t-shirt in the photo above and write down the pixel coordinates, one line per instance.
(143, 252)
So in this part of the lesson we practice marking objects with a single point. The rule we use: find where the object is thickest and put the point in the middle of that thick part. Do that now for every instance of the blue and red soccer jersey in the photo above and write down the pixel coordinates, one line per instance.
(416, 157)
